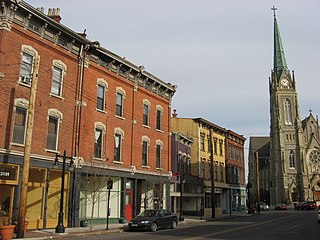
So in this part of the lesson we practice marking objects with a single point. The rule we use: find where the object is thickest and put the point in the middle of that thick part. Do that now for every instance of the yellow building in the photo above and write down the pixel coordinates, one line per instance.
(208, 146)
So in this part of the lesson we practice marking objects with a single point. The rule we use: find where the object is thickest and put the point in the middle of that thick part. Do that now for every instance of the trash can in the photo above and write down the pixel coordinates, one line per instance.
(84, 223)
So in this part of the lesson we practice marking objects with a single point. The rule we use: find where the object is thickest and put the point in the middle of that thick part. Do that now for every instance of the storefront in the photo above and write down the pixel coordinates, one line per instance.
(9, 176)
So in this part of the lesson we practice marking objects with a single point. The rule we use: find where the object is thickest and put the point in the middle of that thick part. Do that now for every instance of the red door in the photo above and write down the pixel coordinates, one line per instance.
(128, 205)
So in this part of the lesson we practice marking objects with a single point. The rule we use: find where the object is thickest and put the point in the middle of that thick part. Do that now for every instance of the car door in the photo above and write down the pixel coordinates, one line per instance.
(168, 218)
(161, 219)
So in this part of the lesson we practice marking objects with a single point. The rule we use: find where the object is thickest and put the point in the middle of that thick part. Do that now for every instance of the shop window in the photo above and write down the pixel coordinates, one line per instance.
(19, 127)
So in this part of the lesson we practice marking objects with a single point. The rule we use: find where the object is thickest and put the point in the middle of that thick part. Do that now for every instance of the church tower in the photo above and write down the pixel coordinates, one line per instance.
(288, 179)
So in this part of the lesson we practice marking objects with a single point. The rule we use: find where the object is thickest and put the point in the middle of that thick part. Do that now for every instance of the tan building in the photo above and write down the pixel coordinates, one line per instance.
(208, 145)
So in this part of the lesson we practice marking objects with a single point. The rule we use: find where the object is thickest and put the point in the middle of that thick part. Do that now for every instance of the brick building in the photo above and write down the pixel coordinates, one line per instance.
(109, 115)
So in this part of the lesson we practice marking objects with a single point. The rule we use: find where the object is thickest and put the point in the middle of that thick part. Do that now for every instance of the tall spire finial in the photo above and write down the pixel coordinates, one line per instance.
(274, 9)
(279, 60)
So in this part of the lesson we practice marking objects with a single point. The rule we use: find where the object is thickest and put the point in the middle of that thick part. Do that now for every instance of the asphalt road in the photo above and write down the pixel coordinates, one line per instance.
(272, 225)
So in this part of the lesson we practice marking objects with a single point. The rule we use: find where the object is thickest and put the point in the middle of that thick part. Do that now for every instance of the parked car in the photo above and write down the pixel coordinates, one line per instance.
(310, 205)
(264, 206)
(153, 219)
(281, 206)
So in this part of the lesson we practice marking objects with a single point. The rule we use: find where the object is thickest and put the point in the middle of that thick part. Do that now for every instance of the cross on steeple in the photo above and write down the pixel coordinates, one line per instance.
(310, 111)
(274, 9)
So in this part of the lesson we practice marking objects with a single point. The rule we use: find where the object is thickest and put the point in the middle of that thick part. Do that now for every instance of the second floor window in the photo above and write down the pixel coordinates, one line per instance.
(145, 115)
(202, 142)
(144, 153)
(98, 143)
(117, 147)
(158, 156)
(56, 81)
(19, 127)
(52, 133)
(159, 119)
(221, 147)
(119, 105)
(26, 68)
(100, 97)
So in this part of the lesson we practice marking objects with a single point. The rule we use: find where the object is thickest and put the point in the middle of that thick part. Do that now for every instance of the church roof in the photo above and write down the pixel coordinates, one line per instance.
(279, 60)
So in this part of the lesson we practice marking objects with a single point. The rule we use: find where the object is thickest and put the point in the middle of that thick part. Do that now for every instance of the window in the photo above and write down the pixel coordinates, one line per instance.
(98, 134)
(145, 146)
(291, 159)
(52, 137)
(159, 118)
(202, 169)
(158, 155)
(56, 81)
(117, 147)
(287, 112)
(26, 68)
(209, 144)
(179, 166)
(202, 142)
(119, 105)
(230, 152)
(100, 97)
(215, 147)
(145, 115)
(221, 147)
(19, 127)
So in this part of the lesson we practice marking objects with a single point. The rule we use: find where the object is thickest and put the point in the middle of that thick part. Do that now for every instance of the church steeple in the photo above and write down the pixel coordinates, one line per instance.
(279, 60)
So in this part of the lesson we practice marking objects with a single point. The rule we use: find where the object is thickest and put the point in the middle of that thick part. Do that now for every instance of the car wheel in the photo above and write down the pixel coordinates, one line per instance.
(174, 225)
(153, 227)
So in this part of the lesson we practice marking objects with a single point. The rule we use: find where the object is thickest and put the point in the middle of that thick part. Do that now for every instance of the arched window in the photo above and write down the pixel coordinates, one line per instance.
(145, 150)
(287, 112)
(99, 131)
(54, 118)
(291, 159)
(118, 139)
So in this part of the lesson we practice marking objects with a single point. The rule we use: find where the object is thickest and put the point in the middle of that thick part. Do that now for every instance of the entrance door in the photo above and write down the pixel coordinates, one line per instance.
(128, 204)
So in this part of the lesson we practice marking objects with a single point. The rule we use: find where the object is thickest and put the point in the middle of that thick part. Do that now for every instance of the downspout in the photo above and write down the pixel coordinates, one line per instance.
(79, 101)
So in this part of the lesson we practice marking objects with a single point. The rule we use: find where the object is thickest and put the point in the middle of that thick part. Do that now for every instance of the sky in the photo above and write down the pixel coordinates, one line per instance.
(218, 52)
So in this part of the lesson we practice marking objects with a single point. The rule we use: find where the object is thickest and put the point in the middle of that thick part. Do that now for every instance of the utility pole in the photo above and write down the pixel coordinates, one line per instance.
(27, 152)
(213, 202)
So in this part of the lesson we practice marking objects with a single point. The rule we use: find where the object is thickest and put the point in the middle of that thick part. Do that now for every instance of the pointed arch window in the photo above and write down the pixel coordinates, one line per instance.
(291, 159)
(287, 112)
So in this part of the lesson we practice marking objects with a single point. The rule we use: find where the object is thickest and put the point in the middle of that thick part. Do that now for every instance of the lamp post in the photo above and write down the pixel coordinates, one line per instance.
(60, 227)
(181, 218)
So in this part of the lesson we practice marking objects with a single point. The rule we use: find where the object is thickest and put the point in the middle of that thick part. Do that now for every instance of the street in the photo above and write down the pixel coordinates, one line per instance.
(272, 225)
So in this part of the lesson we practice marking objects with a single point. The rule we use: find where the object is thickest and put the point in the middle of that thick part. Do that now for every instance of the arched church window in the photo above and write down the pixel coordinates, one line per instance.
(287, 112)
(291, 159)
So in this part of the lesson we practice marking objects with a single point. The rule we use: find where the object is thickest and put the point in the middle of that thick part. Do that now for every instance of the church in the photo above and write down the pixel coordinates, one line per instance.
(285, 166)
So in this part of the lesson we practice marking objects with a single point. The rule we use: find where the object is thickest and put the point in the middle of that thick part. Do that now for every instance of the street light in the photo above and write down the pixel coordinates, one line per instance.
(181, 175)
(60, 227)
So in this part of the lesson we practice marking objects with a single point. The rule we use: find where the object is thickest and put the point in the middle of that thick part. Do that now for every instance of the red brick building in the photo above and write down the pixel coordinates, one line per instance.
(235, 170)
(111, 116)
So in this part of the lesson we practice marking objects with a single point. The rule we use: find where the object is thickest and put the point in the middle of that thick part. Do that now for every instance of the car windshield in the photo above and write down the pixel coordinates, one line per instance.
(148, 213)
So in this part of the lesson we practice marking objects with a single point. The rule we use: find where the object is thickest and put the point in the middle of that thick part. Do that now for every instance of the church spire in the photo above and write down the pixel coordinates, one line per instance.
(279, 60)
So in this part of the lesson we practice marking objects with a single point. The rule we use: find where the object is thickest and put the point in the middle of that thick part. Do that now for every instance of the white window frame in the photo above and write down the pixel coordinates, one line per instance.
(58, 64)
(54, 113)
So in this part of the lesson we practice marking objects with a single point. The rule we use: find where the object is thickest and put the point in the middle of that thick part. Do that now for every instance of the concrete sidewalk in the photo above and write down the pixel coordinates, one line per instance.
(112, 228)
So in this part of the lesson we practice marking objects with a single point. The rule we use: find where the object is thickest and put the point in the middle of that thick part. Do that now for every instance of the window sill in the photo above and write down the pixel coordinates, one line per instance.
(24, 84)
(51, 151)
(98, 159)
(119, 117)
(160, 169)
(144, 166)
(117, 162)
(56, 96)
(101, 111)
(159, 130)
(17, 144)
(146, 126)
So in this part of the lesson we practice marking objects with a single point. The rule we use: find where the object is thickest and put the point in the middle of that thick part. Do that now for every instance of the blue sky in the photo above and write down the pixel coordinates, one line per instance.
(218, 52)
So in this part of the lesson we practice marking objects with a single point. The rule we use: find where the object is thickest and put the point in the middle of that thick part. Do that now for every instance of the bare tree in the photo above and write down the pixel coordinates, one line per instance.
(94, 185)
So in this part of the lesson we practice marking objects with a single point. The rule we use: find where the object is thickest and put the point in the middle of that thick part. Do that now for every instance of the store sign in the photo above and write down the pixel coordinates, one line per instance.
(8, 172)
(4, 174)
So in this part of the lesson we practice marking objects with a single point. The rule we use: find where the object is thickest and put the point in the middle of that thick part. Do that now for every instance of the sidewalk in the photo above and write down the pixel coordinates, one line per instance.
(112, 228)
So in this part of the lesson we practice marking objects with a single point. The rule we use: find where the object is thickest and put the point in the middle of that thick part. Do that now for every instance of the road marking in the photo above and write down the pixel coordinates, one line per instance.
(235, 229)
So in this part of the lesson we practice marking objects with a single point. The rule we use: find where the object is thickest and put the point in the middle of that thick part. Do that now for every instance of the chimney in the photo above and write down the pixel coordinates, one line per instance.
(54, 13)
(174, 113)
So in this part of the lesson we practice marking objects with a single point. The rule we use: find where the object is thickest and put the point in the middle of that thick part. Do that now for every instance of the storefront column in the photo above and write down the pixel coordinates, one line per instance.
(123, 199)
(46, 200)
